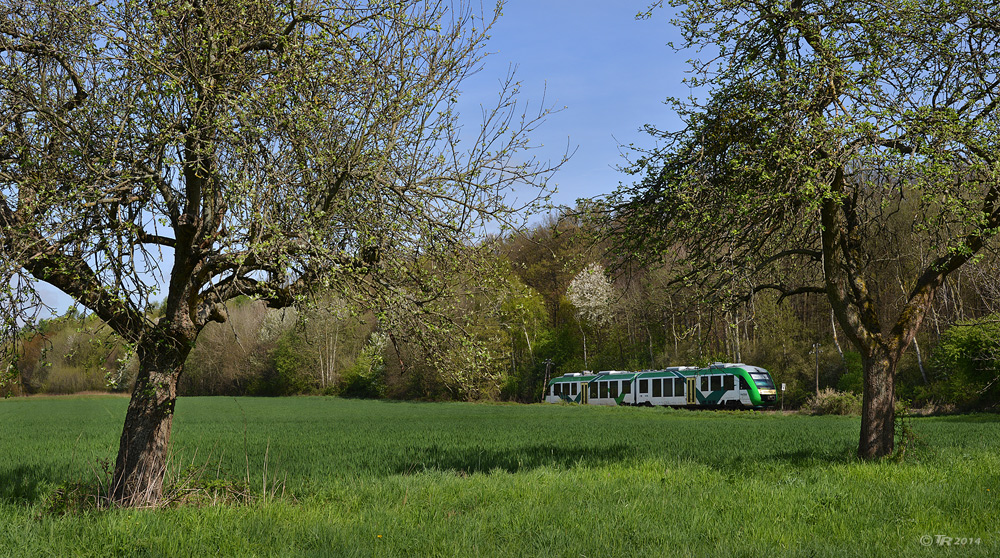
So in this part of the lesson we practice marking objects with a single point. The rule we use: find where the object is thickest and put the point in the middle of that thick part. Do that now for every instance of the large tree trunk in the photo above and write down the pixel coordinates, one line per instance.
(142, 452)
(878, 412)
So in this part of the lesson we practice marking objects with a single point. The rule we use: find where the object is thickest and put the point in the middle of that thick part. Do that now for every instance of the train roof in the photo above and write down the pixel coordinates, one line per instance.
(584, 376)
(670, 372)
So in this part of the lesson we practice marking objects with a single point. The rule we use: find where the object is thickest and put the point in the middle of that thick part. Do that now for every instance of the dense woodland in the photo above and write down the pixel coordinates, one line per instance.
(565, 306)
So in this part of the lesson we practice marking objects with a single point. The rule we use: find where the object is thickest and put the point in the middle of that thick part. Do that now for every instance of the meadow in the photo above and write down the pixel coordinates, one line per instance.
(335, 477)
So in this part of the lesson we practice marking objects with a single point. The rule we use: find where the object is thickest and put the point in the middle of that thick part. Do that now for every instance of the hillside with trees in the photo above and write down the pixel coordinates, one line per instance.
(529, 322)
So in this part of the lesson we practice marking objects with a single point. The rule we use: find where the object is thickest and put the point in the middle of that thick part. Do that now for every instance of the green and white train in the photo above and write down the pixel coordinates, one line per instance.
(724, 385)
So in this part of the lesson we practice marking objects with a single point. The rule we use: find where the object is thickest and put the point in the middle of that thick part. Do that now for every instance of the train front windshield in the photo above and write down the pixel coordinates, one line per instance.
(762, 379)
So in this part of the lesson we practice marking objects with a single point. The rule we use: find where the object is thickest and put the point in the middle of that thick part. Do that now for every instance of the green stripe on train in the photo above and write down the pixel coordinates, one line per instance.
(712, 398)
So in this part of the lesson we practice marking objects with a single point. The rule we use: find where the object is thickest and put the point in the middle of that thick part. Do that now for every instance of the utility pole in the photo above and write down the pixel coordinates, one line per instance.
(815, 350)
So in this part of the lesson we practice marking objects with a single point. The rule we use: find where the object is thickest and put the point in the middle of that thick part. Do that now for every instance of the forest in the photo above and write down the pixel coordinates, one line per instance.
(563, 303)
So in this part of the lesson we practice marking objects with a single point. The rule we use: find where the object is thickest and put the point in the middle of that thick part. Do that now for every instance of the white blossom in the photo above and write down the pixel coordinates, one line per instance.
(591, 293)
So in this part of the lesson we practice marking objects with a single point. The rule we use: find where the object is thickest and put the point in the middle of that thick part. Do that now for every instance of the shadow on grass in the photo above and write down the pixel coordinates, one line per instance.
(24, 485)
(484, 460)
(973, 418)
(768, 462)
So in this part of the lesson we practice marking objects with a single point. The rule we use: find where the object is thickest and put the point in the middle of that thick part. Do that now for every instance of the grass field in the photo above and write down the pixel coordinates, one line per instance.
(357, 478)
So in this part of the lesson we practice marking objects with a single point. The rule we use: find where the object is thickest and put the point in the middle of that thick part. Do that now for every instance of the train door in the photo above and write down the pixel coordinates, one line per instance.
(692, 398)
(744, 391)
(584, 392)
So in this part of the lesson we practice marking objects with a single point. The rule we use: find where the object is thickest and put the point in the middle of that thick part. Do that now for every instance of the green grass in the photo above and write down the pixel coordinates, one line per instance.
(417, 479)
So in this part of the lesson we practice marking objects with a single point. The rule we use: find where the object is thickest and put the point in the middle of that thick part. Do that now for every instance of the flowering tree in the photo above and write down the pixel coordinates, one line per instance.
(592, 294)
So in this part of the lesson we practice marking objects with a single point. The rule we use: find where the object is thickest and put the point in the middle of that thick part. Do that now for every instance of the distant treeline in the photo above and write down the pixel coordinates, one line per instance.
(559, 311)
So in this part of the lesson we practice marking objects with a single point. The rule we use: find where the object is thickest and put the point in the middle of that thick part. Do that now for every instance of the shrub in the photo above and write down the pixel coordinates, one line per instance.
(966, 364)
(832, 402)
(365, 379)
(288, 373)
(853, 378)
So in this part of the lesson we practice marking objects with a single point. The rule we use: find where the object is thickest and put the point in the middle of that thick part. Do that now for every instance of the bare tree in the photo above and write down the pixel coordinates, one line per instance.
(207, 149)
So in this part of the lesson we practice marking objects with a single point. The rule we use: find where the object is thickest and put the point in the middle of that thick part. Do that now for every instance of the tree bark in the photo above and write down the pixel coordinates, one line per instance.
(142, 451)
(856, 311)
(878, 413)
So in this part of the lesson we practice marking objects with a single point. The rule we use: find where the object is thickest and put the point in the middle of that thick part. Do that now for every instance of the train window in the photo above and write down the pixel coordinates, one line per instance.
(593, 389)
(626, 387)
(729, 382)
(716, 383)
(656, 387)
(643, 386)
(573, 389)
(762, 380)
(604, 389)
(668, 388)
(704, 383)
(614, 389)
(743, 384)
(679, 386)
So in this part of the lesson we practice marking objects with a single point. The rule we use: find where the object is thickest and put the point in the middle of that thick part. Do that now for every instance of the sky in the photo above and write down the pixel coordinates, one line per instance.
(609, 70)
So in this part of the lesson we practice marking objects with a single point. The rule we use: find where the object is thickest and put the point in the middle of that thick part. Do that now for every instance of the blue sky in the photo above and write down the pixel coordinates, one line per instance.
(611, 72)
